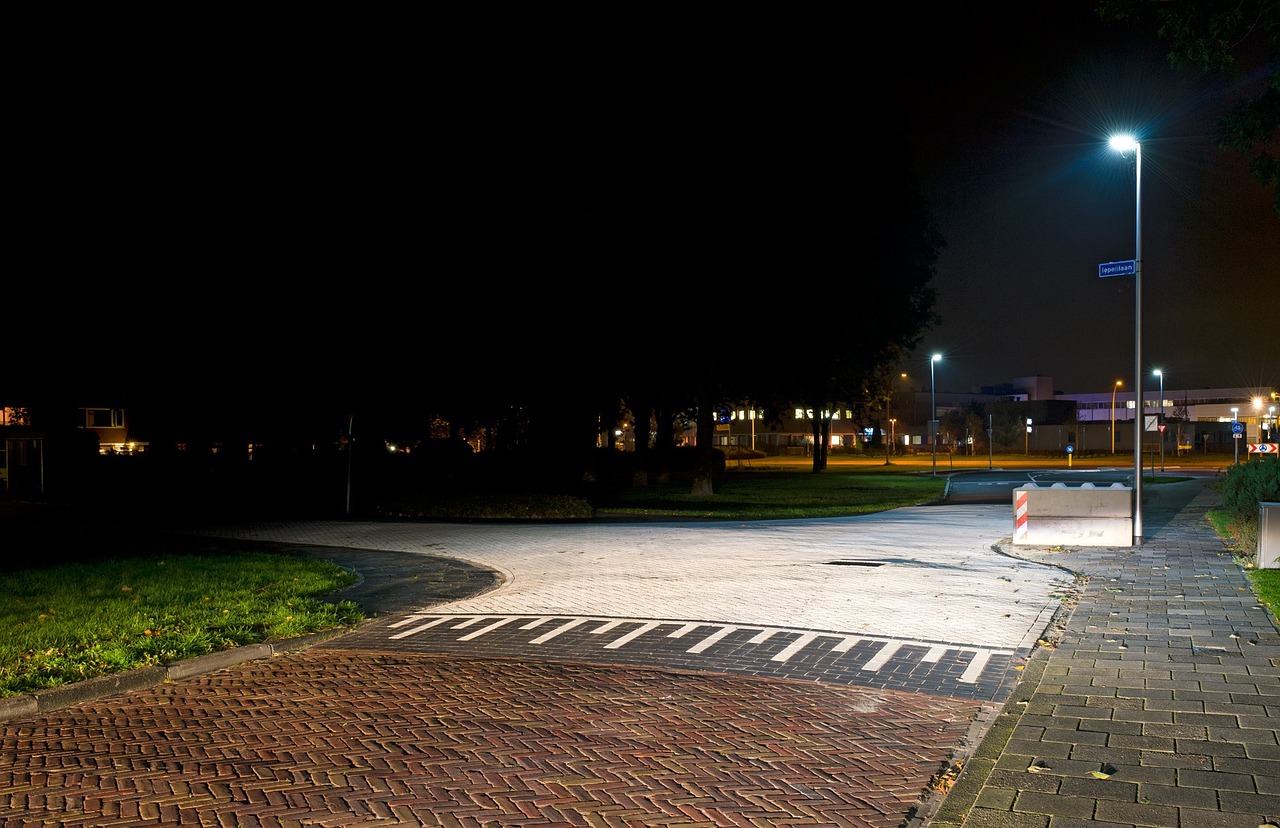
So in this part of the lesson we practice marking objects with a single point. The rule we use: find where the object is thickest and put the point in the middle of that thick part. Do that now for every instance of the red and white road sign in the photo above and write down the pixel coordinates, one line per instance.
(1264, 448)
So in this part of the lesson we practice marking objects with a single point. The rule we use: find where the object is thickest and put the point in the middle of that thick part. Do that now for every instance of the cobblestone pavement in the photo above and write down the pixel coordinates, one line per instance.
(1158, 705)
(336, 737)
(370, 729)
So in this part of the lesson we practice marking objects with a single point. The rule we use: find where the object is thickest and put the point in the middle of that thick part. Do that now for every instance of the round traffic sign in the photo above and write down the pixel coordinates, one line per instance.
(1237, 427)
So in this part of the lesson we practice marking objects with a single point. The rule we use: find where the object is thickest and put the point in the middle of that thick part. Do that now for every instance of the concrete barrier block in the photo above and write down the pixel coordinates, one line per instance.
(1070, 531)
(1082, 515)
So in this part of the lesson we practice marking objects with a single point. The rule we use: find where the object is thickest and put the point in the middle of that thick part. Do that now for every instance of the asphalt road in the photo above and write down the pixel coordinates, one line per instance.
(997, 485)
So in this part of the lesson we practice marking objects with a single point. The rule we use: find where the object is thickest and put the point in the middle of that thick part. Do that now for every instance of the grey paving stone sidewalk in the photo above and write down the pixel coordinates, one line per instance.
(1157, 705)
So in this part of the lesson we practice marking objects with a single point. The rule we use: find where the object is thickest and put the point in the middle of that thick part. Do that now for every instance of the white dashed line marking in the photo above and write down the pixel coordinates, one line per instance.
(637, 628)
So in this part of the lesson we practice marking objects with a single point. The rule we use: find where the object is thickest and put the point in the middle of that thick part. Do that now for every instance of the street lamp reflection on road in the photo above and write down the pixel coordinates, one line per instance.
(1113, 415)
(1160, 417)
(933, 413)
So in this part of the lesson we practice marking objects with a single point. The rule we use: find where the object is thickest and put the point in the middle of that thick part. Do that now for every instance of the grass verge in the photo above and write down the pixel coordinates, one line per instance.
(66, 622)
(778, 495)
(76, 620)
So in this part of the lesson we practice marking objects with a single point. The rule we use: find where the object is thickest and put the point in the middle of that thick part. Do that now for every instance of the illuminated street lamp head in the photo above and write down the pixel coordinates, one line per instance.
(1157, 373)
(937, 357)
(1123, 143)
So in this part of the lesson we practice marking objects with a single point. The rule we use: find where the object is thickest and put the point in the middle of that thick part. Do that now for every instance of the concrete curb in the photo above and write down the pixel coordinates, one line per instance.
(53, 698)
(958, 801)
(992, 734)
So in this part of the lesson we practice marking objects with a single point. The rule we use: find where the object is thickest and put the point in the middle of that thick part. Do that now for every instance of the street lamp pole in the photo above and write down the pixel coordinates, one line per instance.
(933, 413)
(1235, 418)
(990, 441)
(1124, 143)
(1160, 417)
(888, 447)
(1113, 415)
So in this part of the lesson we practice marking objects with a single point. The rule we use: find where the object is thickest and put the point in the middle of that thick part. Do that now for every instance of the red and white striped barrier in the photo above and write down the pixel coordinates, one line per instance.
(1083, 515)
(1020, 516)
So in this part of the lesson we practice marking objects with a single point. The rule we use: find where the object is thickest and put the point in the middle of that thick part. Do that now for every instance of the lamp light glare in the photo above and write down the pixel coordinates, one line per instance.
(1123, 143)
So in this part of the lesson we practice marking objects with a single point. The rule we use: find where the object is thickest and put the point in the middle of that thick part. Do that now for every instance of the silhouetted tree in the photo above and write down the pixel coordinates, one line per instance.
(1239, 38)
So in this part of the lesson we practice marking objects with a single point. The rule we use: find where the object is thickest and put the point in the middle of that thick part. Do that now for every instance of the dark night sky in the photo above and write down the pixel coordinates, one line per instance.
(345, 212)
(1031, 200)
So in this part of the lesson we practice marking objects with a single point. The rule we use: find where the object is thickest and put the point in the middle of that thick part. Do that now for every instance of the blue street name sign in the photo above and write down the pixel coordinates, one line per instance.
(1117, 268)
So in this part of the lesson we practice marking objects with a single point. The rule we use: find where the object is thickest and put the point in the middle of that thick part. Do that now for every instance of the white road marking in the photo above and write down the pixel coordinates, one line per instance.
(417, 630)
(844, 642)
(882, 658)
(631, 636)
(545, 637)
(501, 622)
(795, 647)
(711, 639)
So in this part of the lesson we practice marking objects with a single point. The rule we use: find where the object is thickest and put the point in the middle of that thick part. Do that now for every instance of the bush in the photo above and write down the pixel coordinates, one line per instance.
(1247, 485)
(1243, 488)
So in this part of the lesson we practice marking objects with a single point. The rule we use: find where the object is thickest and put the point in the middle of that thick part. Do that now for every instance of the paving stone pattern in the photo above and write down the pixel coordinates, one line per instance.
(332, 737)
(1159, 705)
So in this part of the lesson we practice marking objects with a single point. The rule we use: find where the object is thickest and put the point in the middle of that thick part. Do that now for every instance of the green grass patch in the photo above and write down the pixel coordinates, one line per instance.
(66, 622)
(778, 496)
(1266, 584)
(77, 620)
(431, 505)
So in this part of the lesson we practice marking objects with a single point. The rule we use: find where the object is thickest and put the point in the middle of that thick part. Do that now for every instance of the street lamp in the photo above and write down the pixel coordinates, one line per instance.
(1113, 415)
(1235, 441)
(1122, 144)
(1160, 416)
(933, 413)
(1257, 412)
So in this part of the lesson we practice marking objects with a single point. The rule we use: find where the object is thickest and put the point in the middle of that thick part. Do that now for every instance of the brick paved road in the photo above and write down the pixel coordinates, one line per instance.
(335, 737)
(358, 732)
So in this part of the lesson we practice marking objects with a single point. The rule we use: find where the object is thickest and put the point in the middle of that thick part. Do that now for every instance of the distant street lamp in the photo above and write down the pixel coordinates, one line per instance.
(1113, 415)
(1257, 412)
(933, 413)
(1160, 416)
(1123, 144)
